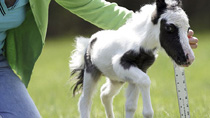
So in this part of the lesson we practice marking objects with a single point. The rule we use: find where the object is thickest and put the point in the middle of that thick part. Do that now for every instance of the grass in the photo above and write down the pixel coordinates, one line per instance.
(50, 85)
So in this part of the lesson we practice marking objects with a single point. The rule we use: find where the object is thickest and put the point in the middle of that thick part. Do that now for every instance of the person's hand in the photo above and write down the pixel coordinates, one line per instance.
(192, 40)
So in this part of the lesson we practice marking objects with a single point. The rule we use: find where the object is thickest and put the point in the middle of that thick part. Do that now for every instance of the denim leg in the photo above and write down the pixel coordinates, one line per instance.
(15, 101)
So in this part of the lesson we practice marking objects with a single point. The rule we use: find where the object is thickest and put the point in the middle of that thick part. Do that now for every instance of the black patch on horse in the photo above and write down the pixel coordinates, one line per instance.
(142, 59)
(160, 9)
(170, 41)
(89, 68)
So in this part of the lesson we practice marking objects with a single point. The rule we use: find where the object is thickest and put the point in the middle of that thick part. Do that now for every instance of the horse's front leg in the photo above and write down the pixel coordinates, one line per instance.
(147, 105)
(137, 77)
(132, 96)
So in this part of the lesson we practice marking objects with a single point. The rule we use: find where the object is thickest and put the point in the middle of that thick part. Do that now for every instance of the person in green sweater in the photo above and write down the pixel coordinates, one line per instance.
(23, 27)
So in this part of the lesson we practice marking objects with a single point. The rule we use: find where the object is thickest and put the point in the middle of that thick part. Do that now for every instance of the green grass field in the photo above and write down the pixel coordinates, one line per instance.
(50, 85)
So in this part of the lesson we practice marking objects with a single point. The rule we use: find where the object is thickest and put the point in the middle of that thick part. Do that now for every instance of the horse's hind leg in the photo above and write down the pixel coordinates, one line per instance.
(108, 91)
(89, 85)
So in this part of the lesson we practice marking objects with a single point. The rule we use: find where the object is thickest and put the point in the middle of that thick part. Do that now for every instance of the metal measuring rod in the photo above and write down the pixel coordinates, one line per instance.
(181, 89)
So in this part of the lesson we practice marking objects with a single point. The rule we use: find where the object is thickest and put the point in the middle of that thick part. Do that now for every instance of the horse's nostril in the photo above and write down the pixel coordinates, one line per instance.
(187, 56)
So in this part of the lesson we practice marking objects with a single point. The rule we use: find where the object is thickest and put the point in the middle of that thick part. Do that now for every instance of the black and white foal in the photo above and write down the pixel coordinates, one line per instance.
(126, 54)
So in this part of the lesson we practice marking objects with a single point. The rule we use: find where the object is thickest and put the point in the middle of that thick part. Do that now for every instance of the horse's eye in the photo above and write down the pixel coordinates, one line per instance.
(170, 28)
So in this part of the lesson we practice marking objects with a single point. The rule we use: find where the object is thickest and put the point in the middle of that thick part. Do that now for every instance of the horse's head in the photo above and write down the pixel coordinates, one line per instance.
(174, 26)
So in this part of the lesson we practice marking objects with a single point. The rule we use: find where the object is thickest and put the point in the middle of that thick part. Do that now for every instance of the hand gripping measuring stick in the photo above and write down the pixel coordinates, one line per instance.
(181, 89)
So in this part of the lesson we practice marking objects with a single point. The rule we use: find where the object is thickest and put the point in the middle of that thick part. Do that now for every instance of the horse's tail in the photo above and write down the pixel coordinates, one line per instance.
(77, 62)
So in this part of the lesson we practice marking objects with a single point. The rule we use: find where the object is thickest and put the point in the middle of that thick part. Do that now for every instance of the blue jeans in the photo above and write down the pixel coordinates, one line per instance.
(15, 101)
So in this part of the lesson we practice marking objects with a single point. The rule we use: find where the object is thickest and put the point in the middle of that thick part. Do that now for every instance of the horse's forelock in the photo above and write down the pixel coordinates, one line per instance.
(163, 6)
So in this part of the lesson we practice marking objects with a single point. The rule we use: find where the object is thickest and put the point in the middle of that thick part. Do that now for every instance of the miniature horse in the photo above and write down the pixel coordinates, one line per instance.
(125, 55)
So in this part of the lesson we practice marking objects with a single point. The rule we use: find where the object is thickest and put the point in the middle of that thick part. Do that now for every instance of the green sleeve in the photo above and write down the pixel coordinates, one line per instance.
(98, 12)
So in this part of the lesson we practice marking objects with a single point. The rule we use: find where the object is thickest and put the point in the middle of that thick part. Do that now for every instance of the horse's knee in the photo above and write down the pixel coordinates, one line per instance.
(130, 107)
(84, 101)
(145, 82)
(104, 87)
(81, 102)
(105, 97)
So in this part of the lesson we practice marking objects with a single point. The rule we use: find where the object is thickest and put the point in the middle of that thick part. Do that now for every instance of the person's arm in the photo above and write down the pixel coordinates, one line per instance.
(98, 12)
(106, 15)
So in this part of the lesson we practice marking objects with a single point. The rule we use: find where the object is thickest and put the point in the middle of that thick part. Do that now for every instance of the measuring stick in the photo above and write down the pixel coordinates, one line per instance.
(181, 89)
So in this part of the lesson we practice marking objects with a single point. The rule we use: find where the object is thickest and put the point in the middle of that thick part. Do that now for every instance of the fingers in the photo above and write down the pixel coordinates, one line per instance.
(193, 46)
(190, 33)
(192, 40)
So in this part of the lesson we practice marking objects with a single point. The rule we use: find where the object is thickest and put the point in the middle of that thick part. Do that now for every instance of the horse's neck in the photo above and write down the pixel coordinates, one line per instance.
(148, 34)
(141, 25)
(150, 37)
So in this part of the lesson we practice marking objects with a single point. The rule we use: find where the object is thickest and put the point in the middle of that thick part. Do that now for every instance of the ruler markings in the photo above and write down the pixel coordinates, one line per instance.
(181, 88)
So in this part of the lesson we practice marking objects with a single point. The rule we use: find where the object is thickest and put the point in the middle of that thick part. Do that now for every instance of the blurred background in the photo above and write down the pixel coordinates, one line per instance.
(50, 86)
(62, 21)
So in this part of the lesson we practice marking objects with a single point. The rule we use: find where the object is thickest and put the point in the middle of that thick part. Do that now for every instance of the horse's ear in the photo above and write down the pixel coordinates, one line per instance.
(161, 4)
(160, 7)
(179, 3)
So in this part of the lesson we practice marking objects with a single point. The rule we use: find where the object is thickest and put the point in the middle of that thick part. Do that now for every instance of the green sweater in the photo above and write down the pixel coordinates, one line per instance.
(24, 44)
